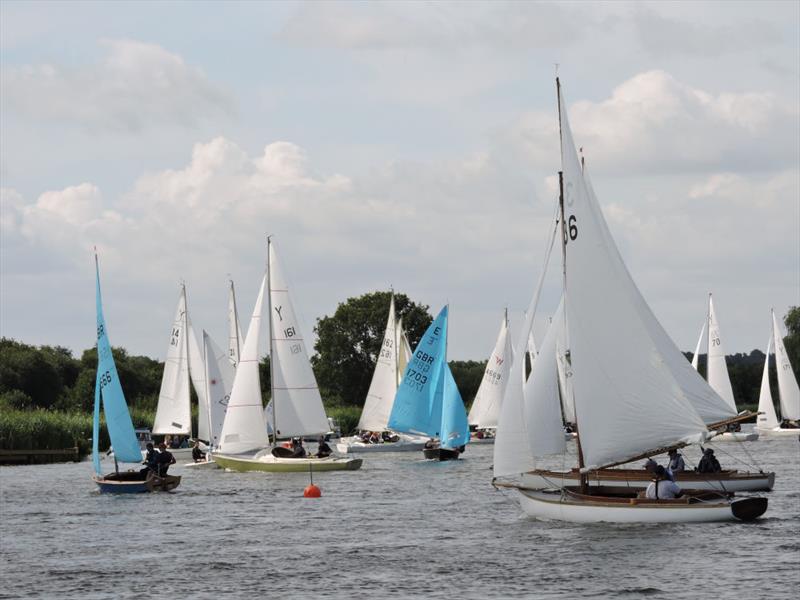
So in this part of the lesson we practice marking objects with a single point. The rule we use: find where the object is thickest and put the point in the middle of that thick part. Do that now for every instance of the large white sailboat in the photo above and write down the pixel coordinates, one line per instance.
(489, 397)
(789, 394)
(635, 395)
(297, 409)
(389, 368)
(717, 373)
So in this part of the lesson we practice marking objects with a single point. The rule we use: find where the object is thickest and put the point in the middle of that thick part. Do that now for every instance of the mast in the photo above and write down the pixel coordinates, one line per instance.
(584, 479)
(236, 323)
(708, 337)
(186, 349)
(396, 339)
(208, 392)
(271, 343)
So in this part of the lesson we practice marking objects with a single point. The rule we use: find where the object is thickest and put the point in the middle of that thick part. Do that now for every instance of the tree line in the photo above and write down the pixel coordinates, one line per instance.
(347, 345)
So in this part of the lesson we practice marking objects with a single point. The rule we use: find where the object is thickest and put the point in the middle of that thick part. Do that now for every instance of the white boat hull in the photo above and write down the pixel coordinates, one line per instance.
(778, 432)
(737, 436)
(266, 462)
(640, 479)
(553, 505)
(406, 443)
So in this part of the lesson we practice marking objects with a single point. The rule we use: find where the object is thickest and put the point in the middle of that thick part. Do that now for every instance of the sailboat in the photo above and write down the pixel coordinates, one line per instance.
(635, 395)
(488, 398)
(296, 407)
(118, 421)
(768, 424)
(392, 360)
(182, 365)
(717, 373)
(428, 402)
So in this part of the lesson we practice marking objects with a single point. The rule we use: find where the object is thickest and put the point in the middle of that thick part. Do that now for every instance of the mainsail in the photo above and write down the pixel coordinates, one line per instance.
(244, 428)
(717, 369)
(235, 340)
(767, 419)
(383, 387)
(787, 384)
(107, 387)
(489, 397)
(173, 414)
(296, 402)
(696, 357)
(219, 376)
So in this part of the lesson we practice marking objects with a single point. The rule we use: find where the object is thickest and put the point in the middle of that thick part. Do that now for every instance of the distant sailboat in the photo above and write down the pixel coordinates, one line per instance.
(118, 421)
(635, 395)
(389, 367)
(489, 397)
(428, 402)
(788, 391)
(297, 408)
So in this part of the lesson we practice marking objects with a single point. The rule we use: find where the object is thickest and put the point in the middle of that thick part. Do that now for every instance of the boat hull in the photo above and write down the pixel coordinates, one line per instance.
(637, 479)
(274, 464)
(441, 454)
(778, 432)
(561, 505)
(354, 445)
(737, 436)
(130, 483)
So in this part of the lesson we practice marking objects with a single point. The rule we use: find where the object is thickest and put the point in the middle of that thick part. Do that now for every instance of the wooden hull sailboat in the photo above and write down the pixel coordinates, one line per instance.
(620, 505)
(131, 482)
(442, 454)
(637, 479)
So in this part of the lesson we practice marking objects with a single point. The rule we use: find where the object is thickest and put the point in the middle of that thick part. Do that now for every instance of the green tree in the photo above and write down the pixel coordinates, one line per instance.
(792, 340)
(348, 343)
(27, 369)
(468, 375)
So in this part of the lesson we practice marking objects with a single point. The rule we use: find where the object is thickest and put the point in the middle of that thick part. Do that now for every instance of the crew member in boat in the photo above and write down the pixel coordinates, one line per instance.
(323, 449)
(297, 448)
(389, 437)
(709, 462)
(676, 463)
(430, 444)
(652, 465)
(197, 454)
(661, 488)
(150, 460)
(164, 460)
(789, 424)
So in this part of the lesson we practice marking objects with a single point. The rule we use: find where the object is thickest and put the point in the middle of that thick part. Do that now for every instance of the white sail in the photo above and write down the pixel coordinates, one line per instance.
(696, 357)
(244, 427)
(767, 419)
(197, 374)
(628, 399)
(787, 384)
(716, 368)
(404, 351)
(382, 389)
(219, 384)
(296, 401)
(235, 339)
(564, 365)
(542, 402)
(173, 414)
(489, 397)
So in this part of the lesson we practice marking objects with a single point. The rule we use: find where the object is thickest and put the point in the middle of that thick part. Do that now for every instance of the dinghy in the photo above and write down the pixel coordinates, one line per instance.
(486, 405)
(118, 421)
(717, 374)
(392, 359)
(635, 395)
(789, 394)
(428, 402)
(296, 406)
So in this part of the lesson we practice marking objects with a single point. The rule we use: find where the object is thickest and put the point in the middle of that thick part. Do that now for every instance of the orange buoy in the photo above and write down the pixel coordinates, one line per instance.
(312, 491)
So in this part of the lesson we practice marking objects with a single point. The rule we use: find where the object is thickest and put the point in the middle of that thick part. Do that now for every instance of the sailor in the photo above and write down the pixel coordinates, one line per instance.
(709, 462)
(323, 449)
(676, 464)
(297, 448)
(164, 460)
(150, 460)
(197, 454)
(662, 488)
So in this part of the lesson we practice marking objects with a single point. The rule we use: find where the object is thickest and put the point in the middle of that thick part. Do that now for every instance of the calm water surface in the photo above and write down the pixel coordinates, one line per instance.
(401, 527)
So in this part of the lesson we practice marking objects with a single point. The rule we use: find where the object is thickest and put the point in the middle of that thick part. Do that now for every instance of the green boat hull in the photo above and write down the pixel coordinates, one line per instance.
(287, 465)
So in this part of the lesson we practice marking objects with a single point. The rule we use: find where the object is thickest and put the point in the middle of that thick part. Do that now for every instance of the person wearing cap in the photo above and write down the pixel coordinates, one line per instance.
(709, 462)
(676, 464)
(662, 488)
(164, 460)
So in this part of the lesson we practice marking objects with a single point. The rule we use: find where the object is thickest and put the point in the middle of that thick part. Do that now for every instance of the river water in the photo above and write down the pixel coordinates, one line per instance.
(401, 527)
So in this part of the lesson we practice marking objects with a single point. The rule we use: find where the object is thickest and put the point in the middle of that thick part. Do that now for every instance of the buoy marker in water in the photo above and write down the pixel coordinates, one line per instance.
(311, 490)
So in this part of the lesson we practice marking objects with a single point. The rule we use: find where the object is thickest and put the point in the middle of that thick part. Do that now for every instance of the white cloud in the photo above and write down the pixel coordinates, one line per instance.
(137, 86)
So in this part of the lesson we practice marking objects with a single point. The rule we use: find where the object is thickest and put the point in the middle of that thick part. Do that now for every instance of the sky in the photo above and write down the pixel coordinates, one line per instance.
(403, 144)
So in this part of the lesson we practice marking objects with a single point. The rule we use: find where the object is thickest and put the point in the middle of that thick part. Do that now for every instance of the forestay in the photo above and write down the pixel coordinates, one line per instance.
(489, 397)
(107, 386)
(296, 399)
(787, 384)
(717, 369)
(767, 419)
(173, 415)
(244, 428)
(628, 397)
(383, 387)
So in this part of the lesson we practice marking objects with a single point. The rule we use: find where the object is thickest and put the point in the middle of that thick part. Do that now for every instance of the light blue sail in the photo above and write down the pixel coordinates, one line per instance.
(417, 406)
(96, 427)
(118, 419)
(454, 431)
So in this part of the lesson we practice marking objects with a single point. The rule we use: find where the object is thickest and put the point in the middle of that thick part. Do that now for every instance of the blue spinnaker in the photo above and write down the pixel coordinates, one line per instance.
(118, 419)
(417, 406)
(454, 431)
